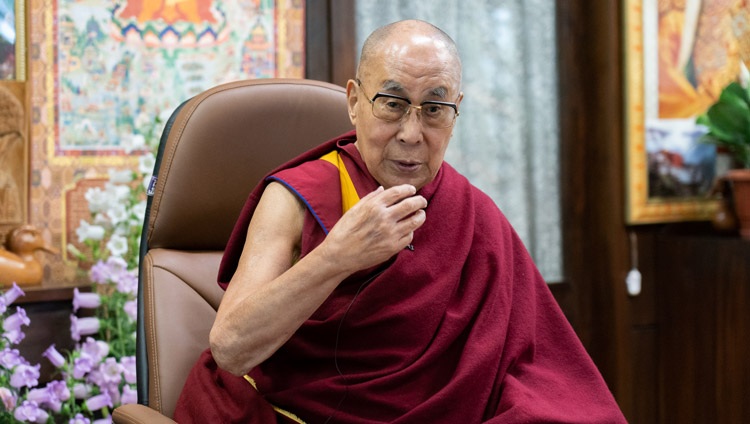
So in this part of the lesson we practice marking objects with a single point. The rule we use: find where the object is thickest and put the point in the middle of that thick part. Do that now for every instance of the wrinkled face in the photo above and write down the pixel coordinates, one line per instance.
(417, 68)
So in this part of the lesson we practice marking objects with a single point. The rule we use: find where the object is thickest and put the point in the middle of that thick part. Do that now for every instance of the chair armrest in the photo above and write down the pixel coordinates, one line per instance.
(134, 413)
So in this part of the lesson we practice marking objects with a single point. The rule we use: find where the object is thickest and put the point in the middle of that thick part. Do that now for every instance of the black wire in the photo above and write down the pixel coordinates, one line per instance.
(336, 345)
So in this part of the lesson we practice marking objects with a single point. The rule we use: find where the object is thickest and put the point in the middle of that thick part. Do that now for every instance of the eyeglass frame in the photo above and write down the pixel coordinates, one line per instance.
(419, 107)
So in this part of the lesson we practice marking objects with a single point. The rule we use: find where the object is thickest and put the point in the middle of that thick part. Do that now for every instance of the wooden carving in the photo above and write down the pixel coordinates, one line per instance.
(18, 261)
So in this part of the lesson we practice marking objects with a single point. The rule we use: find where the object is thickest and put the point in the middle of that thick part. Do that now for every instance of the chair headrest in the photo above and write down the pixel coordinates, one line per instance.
(222, 142)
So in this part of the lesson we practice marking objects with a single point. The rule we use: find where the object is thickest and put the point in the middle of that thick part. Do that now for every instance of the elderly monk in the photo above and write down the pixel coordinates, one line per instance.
(368, 282)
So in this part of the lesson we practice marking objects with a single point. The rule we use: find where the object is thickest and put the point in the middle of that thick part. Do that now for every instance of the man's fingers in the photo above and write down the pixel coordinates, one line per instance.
(409, 206)
(396, 194)
(413, 221)
(372, 194)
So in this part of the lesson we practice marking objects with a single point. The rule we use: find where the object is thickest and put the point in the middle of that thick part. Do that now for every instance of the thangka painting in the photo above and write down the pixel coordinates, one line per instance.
(680, 54)
(101, 71)
(118, 60)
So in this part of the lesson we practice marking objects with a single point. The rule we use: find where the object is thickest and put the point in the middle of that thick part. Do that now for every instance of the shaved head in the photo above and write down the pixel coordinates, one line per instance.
(381, 38)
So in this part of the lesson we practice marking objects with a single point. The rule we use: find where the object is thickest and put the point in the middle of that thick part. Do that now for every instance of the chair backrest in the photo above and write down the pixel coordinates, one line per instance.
(215, 148)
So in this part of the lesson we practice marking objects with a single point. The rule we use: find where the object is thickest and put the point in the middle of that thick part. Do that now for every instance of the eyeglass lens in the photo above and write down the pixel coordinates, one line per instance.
(434, 115)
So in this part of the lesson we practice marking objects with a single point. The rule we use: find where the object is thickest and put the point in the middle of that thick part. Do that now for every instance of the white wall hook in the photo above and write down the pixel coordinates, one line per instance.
(633, 282)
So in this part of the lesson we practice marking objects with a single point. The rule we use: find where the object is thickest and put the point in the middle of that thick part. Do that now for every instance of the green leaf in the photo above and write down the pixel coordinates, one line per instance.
(729, 122)
(738, 93)
(734, 98)
(703, 120)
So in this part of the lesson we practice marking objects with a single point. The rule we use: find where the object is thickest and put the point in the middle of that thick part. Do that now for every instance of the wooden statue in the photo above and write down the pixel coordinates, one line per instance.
(12, 160)
(18, 262)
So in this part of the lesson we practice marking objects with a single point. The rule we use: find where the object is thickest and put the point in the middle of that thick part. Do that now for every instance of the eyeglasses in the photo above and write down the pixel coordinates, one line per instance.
(391, 108)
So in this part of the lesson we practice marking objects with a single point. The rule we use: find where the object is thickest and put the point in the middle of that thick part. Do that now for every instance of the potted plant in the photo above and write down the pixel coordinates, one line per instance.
(728, 124)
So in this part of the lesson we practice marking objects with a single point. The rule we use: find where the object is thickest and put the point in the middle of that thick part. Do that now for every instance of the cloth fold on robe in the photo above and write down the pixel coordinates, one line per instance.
(461, 329)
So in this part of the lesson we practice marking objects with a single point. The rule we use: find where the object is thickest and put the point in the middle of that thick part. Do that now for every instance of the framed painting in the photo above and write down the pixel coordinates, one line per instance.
(12, 40)
(102, 71)
(679, 55)
(117, 61)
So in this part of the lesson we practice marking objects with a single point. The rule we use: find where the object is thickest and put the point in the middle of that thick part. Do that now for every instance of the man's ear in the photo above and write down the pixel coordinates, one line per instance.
(351, 100)
(460, 97)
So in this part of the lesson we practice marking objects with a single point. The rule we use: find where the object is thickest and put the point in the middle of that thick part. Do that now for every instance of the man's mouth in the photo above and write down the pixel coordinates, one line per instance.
(407, 166)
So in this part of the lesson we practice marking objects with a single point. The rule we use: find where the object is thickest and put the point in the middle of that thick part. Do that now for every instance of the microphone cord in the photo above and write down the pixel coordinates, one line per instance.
(336, 344)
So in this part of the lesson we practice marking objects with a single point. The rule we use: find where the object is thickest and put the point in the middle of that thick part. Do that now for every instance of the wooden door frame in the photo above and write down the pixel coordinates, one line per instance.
(330, 53)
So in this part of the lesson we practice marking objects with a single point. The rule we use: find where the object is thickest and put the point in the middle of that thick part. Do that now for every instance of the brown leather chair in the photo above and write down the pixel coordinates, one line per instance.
(215, 148)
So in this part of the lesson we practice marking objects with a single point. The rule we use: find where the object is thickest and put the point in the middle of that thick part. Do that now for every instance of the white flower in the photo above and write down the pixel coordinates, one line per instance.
(117, 192)
(117, 245)
(146, 163)
(122, 230)
(118, 213)
(102, 220)
(123, 176)
(134, 142)
(139, 211)
(97, 199)
(86, 231)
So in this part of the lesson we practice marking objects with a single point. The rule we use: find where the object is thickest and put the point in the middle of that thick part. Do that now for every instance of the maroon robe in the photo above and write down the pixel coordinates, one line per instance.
(460, 329)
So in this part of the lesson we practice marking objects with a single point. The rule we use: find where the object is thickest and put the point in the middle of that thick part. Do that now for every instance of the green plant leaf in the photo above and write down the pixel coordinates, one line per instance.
(736, 91)
(703, 120)
(729, 122)
(734, 98)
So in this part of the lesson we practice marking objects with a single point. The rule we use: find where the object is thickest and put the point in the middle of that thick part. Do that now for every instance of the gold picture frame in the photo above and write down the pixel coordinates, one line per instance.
(20, 40)
(652, 99)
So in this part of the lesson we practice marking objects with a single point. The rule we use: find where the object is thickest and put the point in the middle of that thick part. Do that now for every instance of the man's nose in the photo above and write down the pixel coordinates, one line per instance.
(411, 126)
